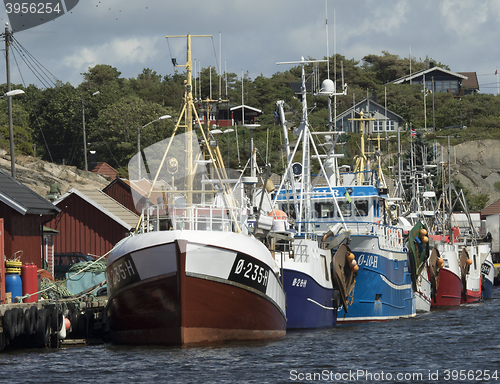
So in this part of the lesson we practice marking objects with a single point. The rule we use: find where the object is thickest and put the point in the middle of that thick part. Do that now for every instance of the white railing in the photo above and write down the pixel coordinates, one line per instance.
(194, 217)
(390, 238)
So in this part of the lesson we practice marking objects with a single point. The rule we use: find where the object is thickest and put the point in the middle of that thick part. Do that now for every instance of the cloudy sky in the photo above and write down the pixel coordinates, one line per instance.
(255, 34)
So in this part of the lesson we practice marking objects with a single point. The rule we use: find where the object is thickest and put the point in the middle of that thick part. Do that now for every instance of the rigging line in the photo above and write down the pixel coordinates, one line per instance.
(35, 60)
(29, 65)
(170, 52)
(215, 54)
(33, 110)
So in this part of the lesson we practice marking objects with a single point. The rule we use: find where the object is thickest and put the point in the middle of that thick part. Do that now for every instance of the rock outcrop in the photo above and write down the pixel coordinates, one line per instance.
(38, 175)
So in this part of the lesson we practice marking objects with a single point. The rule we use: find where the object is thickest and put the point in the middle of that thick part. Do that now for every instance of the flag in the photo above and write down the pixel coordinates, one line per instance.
(348, 197)
(496, 72)
(413, 133)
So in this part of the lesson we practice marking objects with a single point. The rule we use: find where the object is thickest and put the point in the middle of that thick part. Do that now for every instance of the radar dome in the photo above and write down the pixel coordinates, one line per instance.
(328, 86)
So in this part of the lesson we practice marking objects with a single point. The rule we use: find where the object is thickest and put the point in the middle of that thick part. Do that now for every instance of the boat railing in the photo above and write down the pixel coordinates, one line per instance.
(300, 251)
(390, 238)
(198, 217)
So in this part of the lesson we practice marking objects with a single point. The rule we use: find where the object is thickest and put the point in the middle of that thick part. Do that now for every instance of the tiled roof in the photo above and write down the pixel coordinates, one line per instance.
(22, 199)
(106, 170)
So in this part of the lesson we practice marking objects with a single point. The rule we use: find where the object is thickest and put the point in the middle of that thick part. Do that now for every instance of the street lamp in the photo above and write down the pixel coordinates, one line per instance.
(83, 128)
(217, 131)
(8, 95)
(139, 141)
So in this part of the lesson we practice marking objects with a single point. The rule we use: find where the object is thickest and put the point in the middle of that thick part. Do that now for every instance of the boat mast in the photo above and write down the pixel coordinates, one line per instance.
(361, 160)
(306, 157)
(188, 118)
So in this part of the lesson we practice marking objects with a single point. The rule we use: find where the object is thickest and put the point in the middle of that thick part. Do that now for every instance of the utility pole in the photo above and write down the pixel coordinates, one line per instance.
(84, 137)
(9, 103)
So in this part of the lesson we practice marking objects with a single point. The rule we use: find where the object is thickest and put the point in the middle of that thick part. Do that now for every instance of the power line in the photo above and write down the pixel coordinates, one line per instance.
(31, 106)
(34, 63)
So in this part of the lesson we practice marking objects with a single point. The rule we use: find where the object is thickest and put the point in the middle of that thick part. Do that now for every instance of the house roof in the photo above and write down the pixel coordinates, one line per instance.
(22, 199)
(105, 204)
(471, 81)
(491, 209)
(356, 107)
(105, 169)
(423, 72)
(246, 107)
(118, 180)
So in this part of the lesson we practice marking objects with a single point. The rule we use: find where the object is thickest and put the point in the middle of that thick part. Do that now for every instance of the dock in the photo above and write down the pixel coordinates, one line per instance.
(53, 323)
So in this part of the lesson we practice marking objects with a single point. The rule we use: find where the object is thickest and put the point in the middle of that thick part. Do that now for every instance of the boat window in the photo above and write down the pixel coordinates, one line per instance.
(324, 210)
(345, 208)
(361, 207)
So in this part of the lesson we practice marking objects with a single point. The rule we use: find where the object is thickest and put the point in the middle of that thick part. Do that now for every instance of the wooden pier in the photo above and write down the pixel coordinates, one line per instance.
(45, 323)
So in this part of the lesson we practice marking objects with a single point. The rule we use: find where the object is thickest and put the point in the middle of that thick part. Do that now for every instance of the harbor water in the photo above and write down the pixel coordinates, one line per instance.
(458, 345)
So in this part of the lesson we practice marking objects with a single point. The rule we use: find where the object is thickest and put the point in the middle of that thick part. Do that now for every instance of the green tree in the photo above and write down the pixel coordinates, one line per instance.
(114, 136)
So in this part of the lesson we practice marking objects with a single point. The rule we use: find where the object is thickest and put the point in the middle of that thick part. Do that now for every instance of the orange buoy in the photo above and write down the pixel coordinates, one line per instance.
(469, 261)
(440, 262)
(353, 264)
(356, 268)
(425, 239)
(67, 323)
(350, 257)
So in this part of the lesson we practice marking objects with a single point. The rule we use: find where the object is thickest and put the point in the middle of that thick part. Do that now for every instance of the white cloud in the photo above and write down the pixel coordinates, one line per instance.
(374, 18)
(117, 52)
(464, 17)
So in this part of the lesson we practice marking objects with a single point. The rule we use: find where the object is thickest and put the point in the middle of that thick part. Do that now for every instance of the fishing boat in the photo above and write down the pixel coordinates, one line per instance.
(418, 254)
(351, 205)
(471, 274)
(191, 272)
(444, 274)
(487, 270)
(319, 271)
